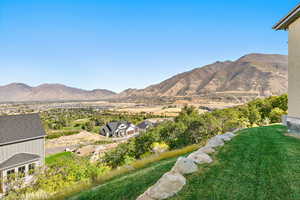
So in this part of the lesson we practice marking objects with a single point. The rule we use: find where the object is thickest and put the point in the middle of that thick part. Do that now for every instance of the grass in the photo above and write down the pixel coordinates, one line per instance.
(147, 170)
(59, 133)
(129, 186)
(260, 163)
(53, 158)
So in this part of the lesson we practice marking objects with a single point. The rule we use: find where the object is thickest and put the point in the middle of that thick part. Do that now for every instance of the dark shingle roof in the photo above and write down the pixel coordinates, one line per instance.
(19, 159)
(15, 128)
(144, 125)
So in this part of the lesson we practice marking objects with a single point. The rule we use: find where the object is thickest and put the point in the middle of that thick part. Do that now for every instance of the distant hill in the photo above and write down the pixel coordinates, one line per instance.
(256, 74)
(253, 74)
(49, 92)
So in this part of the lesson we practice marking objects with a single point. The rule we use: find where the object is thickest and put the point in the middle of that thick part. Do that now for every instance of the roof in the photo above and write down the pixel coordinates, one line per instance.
(19, 159)
(284, 23)
(144, 125)
(18, 128)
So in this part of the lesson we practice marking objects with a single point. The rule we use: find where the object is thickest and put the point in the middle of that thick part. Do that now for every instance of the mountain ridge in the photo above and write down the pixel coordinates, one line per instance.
(49, 92)
(264, 74)
(254, 74)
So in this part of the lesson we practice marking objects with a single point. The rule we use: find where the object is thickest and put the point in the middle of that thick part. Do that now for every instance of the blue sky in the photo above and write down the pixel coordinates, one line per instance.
(130, 44)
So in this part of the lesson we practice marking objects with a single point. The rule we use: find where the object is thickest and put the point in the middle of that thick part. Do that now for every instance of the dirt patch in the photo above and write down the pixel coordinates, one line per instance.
(83, 137)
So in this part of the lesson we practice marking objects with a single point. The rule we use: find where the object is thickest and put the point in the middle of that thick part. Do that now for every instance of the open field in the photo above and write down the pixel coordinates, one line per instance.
(168, 109)
(172, 110)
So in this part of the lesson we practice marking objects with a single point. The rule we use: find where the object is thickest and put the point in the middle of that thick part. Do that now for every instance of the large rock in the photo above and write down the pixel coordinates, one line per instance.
(167, 186)
(200, 157)
(144, 197)
(215, 142)
(223, 137)
(185, 166)
(206, 149)
(229, 134)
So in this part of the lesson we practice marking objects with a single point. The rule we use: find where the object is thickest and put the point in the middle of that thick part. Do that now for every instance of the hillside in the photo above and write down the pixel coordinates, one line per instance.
(258, 74)
(251, 75)
(49, 92)
(260, 163)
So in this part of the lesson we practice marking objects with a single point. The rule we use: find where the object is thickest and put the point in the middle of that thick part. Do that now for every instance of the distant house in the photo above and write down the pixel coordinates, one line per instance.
(291, 22)
(118, 129)
(143, 126)
(22, 150)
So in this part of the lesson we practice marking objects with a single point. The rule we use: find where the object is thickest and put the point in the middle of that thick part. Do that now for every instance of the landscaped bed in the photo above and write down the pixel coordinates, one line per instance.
(260, 163)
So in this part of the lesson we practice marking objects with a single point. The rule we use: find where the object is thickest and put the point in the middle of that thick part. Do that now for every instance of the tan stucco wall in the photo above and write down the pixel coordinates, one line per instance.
(294, 69)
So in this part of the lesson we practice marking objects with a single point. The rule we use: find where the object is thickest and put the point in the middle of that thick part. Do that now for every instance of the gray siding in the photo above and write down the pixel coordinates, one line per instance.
(32, 147)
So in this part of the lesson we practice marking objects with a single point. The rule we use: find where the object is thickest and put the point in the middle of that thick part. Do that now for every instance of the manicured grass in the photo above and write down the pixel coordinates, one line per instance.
(53, 158)
(129, 186)
(260, 163)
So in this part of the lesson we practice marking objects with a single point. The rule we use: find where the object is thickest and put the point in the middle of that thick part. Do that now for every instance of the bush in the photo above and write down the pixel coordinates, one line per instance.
(159, 147)
(66, 171)
(276, 114)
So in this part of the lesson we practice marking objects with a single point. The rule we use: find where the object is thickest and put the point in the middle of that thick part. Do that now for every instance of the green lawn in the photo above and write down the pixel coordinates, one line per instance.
(53, 158)
(129, 186)
(260, 163)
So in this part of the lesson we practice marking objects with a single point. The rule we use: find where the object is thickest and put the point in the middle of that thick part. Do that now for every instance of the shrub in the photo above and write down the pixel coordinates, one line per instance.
(159, 147)
(276, 114)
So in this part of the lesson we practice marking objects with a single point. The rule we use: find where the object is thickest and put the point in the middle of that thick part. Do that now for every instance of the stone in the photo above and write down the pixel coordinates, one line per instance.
(229, 134)
(185, 166)
(236, 130)
(200, 157)
(144, 197)
(215, 142)
(224, 137)
(167, 186)
(206, 149)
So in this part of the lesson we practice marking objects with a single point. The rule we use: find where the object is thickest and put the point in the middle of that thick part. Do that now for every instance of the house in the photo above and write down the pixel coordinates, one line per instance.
(118, 129)
(143, 126)
(22, 150)
(291, 23)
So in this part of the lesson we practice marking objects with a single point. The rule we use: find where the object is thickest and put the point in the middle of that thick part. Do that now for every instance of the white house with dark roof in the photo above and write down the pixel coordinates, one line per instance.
(22, 146)
(291, 23)
(118, 129)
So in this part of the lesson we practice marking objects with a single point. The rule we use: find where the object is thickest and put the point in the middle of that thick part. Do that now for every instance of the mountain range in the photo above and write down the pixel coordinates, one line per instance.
(253, 74)
(49, 92)
(258, 74)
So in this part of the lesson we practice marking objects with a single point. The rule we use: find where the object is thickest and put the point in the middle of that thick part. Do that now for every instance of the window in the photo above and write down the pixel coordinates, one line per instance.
(21, 171)
(11, 174)
(31, 168)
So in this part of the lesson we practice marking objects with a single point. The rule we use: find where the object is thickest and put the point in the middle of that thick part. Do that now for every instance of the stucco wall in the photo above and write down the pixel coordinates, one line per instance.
(294, 69)
(31, 147)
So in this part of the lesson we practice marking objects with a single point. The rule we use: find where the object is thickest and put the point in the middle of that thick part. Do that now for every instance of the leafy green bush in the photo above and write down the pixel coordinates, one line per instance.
(67, 171)
(276, 114)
